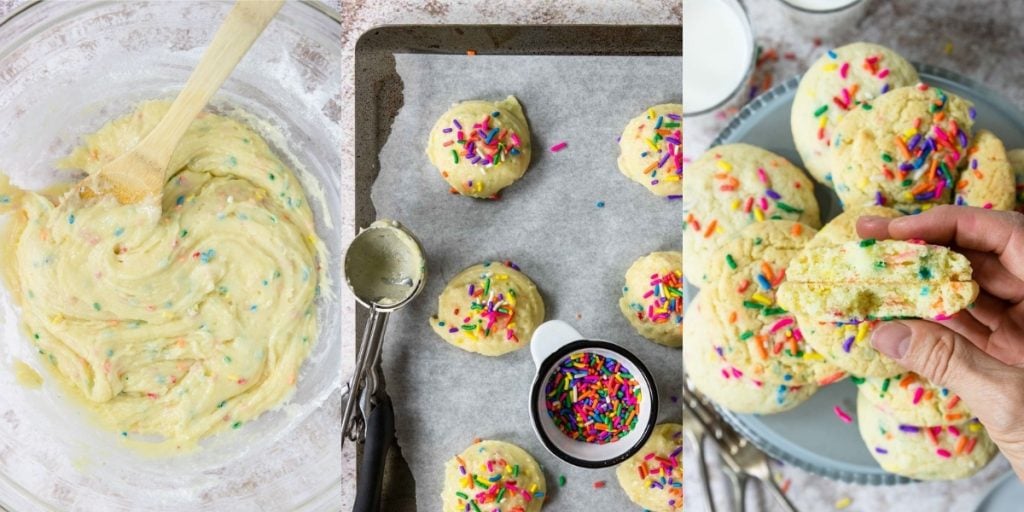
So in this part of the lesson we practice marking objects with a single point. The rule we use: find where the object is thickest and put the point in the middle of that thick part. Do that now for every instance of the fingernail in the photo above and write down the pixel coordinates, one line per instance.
(872, 221)
(892, 339)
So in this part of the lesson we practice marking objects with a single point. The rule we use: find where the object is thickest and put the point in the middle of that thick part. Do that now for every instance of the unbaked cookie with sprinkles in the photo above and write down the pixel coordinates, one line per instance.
(491, 309)
(652, 298)
(481, 147)
(651, 149)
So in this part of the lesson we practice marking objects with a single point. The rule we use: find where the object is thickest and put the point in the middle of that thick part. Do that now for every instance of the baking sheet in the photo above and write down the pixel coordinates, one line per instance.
(549, 223)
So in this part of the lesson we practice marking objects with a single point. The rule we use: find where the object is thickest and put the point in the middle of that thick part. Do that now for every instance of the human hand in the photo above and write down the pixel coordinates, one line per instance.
(978, 353)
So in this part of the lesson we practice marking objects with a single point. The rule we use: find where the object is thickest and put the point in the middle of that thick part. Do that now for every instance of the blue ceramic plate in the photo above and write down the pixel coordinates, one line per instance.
(811, 436)
(1006, 495)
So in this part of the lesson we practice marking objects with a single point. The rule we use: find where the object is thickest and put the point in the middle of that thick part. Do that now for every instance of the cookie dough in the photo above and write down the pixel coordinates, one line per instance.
(652, 299)
(766, 343)
(176, 320)
(733, 186)
(653, 477)
(652, 149)
(846, 342)
(902, 150)
(491, 309)
(708, 368)
(910, 398)
(481, 147)
(924, 452)
(871, 279)
(987, 180)
(492, 474)
(1016, 158)
(836, 84)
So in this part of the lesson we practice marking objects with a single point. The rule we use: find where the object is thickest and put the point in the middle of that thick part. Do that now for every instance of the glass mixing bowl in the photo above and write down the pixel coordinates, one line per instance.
(65, 69)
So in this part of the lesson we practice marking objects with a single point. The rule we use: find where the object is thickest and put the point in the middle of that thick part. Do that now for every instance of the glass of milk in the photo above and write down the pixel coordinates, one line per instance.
(824, 16)
(718, 59)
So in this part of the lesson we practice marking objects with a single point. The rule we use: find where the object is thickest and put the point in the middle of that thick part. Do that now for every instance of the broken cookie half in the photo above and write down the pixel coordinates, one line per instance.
(870, 279)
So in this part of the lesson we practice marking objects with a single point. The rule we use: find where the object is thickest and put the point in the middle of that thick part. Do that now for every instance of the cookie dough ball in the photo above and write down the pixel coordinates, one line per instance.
(709, 369)
(836, 84)
(1016, 158)
(490, 309)
(652, 299)
(653, 477)
(912, 399)
(488, 470)
(923, 452)
(652, 149)
(988, 180)
(847, 343)
(769, 346)
(902, 150)
(731, 187)
(481, 147)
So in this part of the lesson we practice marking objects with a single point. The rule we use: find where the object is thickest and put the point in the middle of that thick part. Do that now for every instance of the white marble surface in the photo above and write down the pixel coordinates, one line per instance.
(980, 39)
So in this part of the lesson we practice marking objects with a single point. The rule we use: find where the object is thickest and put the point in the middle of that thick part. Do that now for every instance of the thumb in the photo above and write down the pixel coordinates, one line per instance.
(942, 356)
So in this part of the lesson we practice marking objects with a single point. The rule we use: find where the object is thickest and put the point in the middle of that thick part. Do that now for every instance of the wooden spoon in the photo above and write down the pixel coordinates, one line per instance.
(140, 173)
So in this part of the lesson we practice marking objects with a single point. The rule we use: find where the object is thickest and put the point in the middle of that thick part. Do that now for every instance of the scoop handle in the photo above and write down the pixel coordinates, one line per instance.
(380, 432)
(549, 337)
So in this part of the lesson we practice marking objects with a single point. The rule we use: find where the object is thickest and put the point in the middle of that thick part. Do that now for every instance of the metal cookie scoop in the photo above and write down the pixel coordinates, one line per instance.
(385, 269)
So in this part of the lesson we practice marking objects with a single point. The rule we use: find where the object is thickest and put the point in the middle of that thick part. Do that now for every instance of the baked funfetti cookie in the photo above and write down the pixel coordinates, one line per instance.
(1016, 158)
(766, 342)
(911, 399)
(921, 451)
(481, 147)
(652, 299)
(846, 342)
(987, 180)
(652, 149)
(653, 477)
(873, 279)
(491, 309)
(708, 368)
(493, 475)
(731, 187)
(902, 150)
(836, 84)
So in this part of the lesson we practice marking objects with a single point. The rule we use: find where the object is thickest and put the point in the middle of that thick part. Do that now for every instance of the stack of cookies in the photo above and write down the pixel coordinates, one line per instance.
(784, 309)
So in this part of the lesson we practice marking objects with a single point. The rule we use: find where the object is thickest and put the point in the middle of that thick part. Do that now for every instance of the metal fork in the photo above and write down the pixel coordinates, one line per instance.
(742, 459)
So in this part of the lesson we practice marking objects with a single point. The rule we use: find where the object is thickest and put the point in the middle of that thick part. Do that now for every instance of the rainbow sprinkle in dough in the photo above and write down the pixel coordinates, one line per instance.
(653, 477)
(592, 398)
(871, 279)
(731, 187)
(652, 299)
(177, 321)
(925, 452)
(903, 150)
(493, 476)
(490, 309)
(836, 84)
(481, 147)
(651, 148)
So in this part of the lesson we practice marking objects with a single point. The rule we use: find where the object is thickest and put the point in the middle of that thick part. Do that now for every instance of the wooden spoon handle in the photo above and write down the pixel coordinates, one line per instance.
(236, 35)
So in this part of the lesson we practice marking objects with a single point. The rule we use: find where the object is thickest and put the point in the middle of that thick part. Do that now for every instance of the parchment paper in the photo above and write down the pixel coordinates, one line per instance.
(549, 224)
